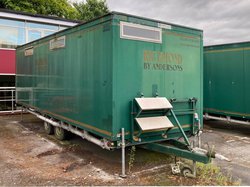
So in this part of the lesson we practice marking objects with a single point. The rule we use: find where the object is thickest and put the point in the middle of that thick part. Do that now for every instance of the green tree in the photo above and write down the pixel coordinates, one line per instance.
(60, 8)
(1, 4)
(91, 9)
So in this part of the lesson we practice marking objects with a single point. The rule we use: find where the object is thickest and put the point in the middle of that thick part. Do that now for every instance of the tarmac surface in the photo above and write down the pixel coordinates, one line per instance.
(30, 157)
(232, 141)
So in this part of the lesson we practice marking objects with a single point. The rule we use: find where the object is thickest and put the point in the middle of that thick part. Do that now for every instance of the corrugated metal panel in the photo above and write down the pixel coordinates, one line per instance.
(91, 81)
(226, 78)
(170, 69)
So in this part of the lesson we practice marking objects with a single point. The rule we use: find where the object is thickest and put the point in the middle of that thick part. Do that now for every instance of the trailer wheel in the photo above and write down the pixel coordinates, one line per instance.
(186, 172)
(60, 133)
(49, 129)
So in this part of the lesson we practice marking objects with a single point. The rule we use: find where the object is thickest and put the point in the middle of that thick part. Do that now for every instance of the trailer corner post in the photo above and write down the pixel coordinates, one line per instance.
(22, 114)
(123, 175)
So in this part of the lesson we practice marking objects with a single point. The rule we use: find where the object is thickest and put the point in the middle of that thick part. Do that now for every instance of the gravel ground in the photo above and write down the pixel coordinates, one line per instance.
(30, 157)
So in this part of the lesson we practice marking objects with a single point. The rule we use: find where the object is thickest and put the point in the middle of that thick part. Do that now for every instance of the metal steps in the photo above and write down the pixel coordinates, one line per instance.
(153, 103)
(151, 114)
(154, 123)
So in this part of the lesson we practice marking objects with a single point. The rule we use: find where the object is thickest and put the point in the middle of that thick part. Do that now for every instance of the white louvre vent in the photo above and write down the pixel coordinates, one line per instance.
(28, 51)
(57, 43)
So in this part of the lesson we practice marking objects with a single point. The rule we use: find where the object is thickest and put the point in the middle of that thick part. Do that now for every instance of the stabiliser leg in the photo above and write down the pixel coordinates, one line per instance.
(123, 175)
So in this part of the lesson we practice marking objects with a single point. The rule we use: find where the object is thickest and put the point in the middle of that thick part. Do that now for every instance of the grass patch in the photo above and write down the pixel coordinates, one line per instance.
(131, 158)
(206, 175)
(209, 174)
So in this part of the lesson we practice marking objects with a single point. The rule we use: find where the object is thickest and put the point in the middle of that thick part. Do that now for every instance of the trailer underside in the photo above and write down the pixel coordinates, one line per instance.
(170, 146)
(227, 118)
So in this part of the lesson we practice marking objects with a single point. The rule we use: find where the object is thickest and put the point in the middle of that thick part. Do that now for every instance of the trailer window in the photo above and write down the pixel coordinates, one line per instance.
(28, 51)
(140, 32)
(57, 43)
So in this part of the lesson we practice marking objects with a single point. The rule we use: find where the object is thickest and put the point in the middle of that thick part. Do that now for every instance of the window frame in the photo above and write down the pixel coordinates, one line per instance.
(28, 30)
(124, 36)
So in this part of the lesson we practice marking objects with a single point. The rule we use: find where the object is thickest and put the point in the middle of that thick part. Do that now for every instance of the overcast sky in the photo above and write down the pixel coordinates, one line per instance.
(223, 21)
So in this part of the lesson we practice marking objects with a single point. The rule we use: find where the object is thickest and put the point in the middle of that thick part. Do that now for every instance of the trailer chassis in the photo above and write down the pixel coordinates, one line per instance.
(174, 147)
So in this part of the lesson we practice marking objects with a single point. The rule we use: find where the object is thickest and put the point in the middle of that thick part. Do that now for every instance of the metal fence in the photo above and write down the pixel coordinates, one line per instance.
(8, 100)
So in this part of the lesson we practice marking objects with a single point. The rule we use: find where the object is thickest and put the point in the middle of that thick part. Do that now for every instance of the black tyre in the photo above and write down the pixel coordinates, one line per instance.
(49, 129)
(186, 172)
(60, 133)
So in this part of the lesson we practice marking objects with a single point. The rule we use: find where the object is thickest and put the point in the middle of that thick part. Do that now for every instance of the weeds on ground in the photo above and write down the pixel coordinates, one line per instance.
(131, 158)
(209, 174)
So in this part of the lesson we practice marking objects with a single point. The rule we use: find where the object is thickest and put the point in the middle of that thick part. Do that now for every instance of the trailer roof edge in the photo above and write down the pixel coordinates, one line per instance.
(155, 20)
(233, 43)
(110, 14)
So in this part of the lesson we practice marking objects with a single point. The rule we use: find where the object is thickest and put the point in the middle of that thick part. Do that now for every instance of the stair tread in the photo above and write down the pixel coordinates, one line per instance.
(154, 123)
(153, 103)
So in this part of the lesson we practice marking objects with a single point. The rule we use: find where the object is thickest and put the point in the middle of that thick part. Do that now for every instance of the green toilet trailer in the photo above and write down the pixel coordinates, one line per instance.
(118, 77)
(226, 82)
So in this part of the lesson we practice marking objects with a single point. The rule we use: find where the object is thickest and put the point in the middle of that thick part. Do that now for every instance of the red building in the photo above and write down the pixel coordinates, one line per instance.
(18, 28)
